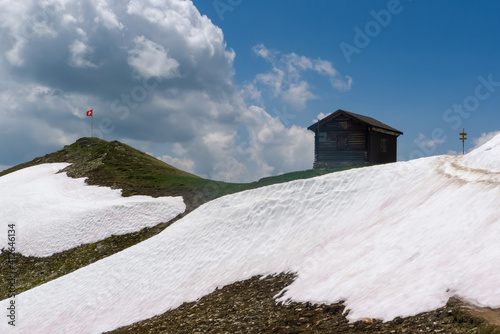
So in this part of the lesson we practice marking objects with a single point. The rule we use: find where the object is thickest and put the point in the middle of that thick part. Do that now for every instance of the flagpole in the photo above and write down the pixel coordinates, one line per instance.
(92, 128)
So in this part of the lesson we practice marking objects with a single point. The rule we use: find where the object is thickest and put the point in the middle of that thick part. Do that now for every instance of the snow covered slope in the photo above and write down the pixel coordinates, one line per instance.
(485, 157)
(391, 240)
(53, 212)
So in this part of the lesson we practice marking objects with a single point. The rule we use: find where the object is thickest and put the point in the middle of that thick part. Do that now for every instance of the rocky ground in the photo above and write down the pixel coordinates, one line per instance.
(249, 307)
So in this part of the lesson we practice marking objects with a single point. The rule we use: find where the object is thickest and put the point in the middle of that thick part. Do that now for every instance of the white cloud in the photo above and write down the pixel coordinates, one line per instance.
(8, 101)
(231, 170)
(298, 94)
(78, 51)
(150, 59)
(274, 148)
(182, 19)
(285, 80)
(81, 33)
(14, 55)
(422, 139)
(68, 19)
(184, 164)
(274, 80)
(325, 67)
(320, 117)
(25, 21)
(106, 15)
(218, 139)
(164, 83)
(36, 92)
(264, 52)
(337, 81)
(252, 92)
(341, 84)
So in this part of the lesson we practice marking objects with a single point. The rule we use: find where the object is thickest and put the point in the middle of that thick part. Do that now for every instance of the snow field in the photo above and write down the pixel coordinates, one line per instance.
(391, 240)
(53, 212)
(485, 157)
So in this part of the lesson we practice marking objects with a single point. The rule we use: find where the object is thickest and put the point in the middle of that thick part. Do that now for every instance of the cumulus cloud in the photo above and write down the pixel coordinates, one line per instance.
(298, 94)
(158, 75)
(13, 55)
(78, 52)
(184, 164)
(320, 117)
(151, 60)
(431, 143)
(285, 80)
(106, 15)
(266, 146)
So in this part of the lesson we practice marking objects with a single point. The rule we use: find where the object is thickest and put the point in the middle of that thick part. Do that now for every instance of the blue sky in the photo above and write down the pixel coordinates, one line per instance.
(425, 60)
(226, 88)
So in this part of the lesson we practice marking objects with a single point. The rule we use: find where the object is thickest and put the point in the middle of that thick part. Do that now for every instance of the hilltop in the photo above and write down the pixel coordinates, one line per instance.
(119, 166)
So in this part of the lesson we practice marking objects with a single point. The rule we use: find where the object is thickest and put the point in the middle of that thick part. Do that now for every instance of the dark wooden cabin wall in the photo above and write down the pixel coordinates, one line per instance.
(332, 153)
(376, 152)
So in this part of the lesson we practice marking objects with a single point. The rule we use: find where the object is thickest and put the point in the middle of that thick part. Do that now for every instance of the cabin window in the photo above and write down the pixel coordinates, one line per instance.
(322, 137)
(343, 125)
(383, 145)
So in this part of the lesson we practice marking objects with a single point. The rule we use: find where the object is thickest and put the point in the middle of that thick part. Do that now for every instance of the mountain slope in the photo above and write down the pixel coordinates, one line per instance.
(116, 165)
(392, 240)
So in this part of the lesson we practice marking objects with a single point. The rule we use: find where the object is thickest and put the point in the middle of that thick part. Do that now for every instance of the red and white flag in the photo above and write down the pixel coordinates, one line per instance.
(90, 112)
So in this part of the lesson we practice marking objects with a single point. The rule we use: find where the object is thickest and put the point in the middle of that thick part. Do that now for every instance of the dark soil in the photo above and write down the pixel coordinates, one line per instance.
(249, 307)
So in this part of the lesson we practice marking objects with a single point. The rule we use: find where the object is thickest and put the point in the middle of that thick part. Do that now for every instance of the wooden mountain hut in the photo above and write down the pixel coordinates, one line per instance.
(345, 139)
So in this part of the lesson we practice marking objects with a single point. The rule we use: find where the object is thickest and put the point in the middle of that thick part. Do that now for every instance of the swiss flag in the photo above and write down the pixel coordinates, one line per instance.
(90, 112)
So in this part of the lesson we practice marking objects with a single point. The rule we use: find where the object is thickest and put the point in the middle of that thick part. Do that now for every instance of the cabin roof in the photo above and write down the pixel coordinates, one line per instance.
(363, 119)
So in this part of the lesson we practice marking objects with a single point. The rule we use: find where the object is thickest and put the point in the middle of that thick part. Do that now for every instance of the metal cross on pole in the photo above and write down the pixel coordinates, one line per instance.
(463, 139)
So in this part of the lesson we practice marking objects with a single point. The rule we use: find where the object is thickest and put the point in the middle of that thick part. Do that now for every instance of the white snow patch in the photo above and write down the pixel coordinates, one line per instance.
(53, 212)
(486, 156)
(390, 240)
